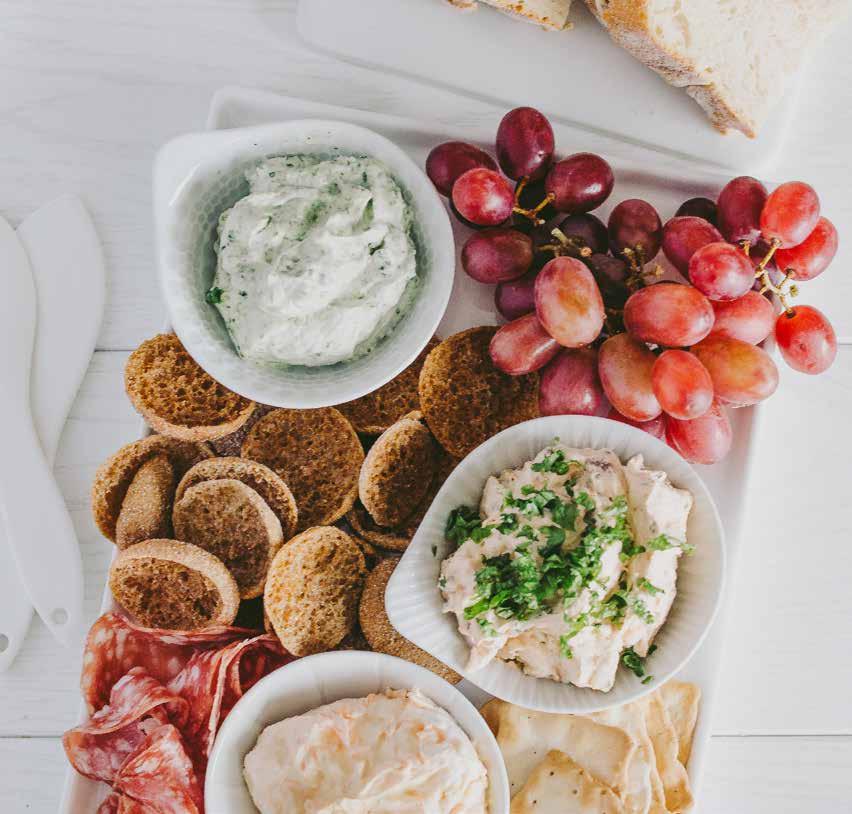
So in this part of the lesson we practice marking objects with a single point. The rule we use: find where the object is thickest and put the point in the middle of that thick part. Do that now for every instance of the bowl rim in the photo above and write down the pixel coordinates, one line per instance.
(275, 683)
(192, 158)
(643, 443)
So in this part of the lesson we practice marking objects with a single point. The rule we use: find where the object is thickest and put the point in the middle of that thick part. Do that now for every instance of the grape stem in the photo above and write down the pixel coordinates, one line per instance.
(532, 214)
(564, 245)
(783, 291)
(636, 260)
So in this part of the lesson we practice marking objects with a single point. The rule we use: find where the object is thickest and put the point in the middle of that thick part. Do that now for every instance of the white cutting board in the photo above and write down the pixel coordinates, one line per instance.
(579, 76)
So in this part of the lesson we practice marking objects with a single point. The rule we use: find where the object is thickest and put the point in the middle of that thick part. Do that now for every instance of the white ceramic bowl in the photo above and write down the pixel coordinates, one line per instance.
(310, 682)
(414, 602)
(198, 176)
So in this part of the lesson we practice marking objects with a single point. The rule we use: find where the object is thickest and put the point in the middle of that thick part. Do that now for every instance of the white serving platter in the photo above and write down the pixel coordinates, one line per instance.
(578, 76)
(665, 183)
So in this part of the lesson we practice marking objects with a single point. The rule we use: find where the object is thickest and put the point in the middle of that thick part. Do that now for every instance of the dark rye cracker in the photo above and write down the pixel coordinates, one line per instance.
(115, 475)
(316, 453)
(232, 521)
(261, 478)
(466, 399)
(374, 413)
(177, 397)
(173, 585)
(313, 589)
(398, 537)
(146, 509)
(397, 472)
(380, 633)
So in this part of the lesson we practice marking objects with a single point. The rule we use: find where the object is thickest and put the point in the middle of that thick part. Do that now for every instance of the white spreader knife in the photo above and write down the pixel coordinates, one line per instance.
(39, 530)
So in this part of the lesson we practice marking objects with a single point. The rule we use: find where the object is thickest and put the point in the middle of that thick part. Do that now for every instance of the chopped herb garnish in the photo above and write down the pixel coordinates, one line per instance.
(647, 679)
(486, 626)
(214, 295)
(434, 551)
(648, 587)
(460, 524)
(555, 462)
(565, 648)
(664, 543)
(442, 583)
(633, 662)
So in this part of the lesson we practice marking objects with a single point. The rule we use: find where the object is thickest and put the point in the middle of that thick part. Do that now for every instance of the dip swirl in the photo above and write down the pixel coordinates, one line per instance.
(317, 263)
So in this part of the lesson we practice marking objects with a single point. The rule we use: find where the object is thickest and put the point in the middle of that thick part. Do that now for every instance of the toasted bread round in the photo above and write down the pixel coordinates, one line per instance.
(232, 521)
(261, 478)
(381, 634)
(466, 399)
(115, 475)
(316, 453)
(229, 446)
(313, 588)
(173, 585)
(145, 510)
(398, 537)
(374, 413)
(397, 472)
(177, 397)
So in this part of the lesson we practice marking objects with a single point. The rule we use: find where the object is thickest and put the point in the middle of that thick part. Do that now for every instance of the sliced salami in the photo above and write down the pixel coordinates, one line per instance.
(98, 748)
(119, 804)
(115, 645)
(161, 776)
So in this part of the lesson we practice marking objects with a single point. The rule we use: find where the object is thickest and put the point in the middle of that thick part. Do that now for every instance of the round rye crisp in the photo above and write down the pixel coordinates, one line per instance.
(466, 399)
(374, 413)
(177, 397)
(316, 453)
(146, 508)
(313, 588)
(381, 634)
(397, 471)
(115, 475)
(173, 585)
(261, 478)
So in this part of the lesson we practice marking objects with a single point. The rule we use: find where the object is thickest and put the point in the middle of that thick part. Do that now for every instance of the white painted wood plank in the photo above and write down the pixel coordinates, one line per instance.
(744, 775)
(89, 96)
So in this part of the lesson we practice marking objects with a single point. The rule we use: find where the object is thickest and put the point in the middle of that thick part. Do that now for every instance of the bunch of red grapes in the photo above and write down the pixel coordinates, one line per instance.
(586, 304)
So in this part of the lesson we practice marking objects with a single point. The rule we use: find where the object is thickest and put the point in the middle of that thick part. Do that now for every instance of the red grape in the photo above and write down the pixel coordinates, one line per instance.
(742, 373)
(703, 440)
(568, 302)
(669, 314)
(683, 236)
(452, 159)
(750, 318)
(580, 183)
(570, 384)
(699, 208)
(625, 366)
(811, 257)
(516, 297)
(682, 384)
(721, 271)
(524, 143)
(656, 426)
(611, 275)
(496, 255)
(587, 230)
(634, 224)
(522, 346)
(740, 204)
(483, 197)
(790, 214)
(806, 339)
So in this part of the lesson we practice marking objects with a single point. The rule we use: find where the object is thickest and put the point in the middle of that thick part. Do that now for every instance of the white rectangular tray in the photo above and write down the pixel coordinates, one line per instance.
(666, 186)
(578, 76)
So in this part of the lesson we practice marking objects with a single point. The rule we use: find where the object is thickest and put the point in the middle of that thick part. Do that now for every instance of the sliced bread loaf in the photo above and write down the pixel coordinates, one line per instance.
(735, 58)
(551, 14)
(173, 585)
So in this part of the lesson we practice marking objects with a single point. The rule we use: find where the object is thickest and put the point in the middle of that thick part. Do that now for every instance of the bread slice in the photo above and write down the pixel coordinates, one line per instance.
(232, 521)
(177, 397)
(146, 508)
(735, 58)
(551, 14)
(173, 585)
(313, 590)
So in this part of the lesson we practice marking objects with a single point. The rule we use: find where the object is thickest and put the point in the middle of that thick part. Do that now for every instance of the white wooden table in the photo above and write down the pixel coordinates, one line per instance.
(90, 88)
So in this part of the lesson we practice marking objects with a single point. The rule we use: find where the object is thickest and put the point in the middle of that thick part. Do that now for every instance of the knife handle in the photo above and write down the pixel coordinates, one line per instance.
(40, 533)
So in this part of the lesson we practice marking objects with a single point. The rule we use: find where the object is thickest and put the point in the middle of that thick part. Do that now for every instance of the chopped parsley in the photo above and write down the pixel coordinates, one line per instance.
(664, 543)
(487, 628)
(460, 525)
(554, 462)
(565, 648)
(648, 587)
(214, 295)
(633, 662)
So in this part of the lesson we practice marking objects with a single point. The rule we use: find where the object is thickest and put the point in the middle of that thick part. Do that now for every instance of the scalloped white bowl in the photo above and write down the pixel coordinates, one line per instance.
(198, 176)
(310, 682)
(414, 602)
